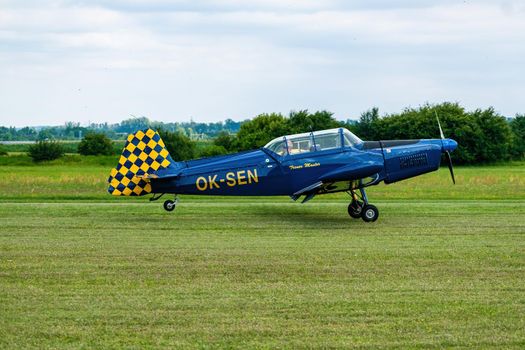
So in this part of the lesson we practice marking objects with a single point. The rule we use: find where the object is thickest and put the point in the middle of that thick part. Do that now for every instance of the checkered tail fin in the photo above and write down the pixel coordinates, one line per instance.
(143, 155)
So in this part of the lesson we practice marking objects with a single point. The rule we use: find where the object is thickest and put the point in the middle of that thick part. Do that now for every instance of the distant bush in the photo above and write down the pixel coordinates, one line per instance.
(46, 150)
(3, 152)
(95, 144)
(178, 145)
(212, 150)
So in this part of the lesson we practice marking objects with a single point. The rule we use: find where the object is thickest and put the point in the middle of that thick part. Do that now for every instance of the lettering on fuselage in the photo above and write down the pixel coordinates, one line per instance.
(305, 165)
(412, 161)
(231, 179)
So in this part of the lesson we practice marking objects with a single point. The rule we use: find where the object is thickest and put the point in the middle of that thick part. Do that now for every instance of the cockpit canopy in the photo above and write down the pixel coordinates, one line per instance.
(313, 141)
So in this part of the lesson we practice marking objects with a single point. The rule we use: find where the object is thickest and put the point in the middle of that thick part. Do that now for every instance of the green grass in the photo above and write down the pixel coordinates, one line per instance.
(77, 177)
(443, 267)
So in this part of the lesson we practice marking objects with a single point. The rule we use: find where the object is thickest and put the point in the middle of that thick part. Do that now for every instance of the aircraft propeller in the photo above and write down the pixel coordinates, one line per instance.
(449, 159)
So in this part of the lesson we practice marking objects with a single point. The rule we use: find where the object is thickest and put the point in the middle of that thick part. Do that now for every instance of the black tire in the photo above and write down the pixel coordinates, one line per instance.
(169, 205)
(370, 213)
(355, 208)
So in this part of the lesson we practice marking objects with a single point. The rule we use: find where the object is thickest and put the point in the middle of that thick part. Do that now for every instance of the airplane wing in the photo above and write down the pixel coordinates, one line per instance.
(340, 179)
(355, 171)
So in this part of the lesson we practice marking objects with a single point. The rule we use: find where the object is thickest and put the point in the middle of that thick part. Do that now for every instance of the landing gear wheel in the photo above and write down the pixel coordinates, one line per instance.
(355, 208)
(169, 205)
(370, 213)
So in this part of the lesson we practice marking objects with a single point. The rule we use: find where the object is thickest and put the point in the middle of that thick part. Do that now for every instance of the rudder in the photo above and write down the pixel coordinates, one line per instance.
(144, 153)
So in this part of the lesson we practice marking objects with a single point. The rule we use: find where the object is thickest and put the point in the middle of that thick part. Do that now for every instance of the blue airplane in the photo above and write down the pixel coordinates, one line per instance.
(301, 165)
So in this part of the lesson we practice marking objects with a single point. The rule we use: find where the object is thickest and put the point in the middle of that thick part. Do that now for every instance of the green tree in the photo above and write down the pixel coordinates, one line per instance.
(133, 124)
(482, 135)
(420, 122)
(46, 150)
(494, 137)
(302, 121)
(367, 128)
(226, 140)
(45, 134)
(517, 126)
(26, 133)
(212, 150)
(257, 132)
(95, 144)
(178, 145)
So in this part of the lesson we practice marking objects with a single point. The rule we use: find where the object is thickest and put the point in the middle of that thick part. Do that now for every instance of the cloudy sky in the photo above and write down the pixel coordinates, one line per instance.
(107, 60)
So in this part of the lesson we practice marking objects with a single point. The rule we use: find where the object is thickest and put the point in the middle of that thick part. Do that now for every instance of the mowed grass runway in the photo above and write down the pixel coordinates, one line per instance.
(263, 273)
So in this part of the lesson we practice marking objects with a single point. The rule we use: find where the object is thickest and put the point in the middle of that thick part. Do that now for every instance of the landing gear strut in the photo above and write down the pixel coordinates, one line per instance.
(360, 208)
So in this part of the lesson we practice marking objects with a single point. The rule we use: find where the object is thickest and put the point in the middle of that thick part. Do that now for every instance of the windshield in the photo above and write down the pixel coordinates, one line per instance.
(312, 141)
(277, 145)
(327, 139)
(350, 139)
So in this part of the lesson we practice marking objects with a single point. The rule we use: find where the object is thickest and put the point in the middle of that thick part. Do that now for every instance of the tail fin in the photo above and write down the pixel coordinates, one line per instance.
(144, 153)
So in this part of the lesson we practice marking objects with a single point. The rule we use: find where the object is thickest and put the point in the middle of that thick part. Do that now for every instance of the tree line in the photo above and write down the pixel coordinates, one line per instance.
(483, 135)
(74, 131)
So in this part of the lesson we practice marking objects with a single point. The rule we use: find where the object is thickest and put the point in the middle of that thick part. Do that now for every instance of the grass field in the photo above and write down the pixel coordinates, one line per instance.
(443, 267)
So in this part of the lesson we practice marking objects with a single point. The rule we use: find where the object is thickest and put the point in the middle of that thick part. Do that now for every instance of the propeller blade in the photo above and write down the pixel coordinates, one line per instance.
(449, 161)
(440, 130)
(449, 158)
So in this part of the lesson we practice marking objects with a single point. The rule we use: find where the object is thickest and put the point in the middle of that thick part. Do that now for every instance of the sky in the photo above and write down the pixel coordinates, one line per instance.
(108, 60)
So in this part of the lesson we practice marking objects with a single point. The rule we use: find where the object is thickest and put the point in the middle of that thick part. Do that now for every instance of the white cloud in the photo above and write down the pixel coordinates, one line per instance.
(101, 60)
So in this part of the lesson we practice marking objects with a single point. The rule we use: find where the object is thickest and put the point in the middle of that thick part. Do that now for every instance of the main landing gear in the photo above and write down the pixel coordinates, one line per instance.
(360, 208)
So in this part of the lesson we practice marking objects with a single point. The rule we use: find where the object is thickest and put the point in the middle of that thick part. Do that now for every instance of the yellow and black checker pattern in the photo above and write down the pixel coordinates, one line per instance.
(143, 154)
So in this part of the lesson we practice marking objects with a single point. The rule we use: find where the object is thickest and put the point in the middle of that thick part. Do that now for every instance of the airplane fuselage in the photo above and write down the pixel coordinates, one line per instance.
(262, 173)
(300, 165)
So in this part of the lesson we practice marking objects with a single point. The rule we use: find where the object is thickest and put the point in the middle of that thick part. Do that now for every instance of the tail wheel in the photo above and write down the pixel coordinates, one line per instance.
(370, 213)
(355, 209)
(169, 205)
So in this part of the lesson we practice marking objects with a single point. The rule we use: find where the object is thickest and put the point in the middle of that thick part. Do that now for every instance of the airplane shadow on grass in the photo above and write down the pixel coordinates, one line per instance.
(296, 215)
